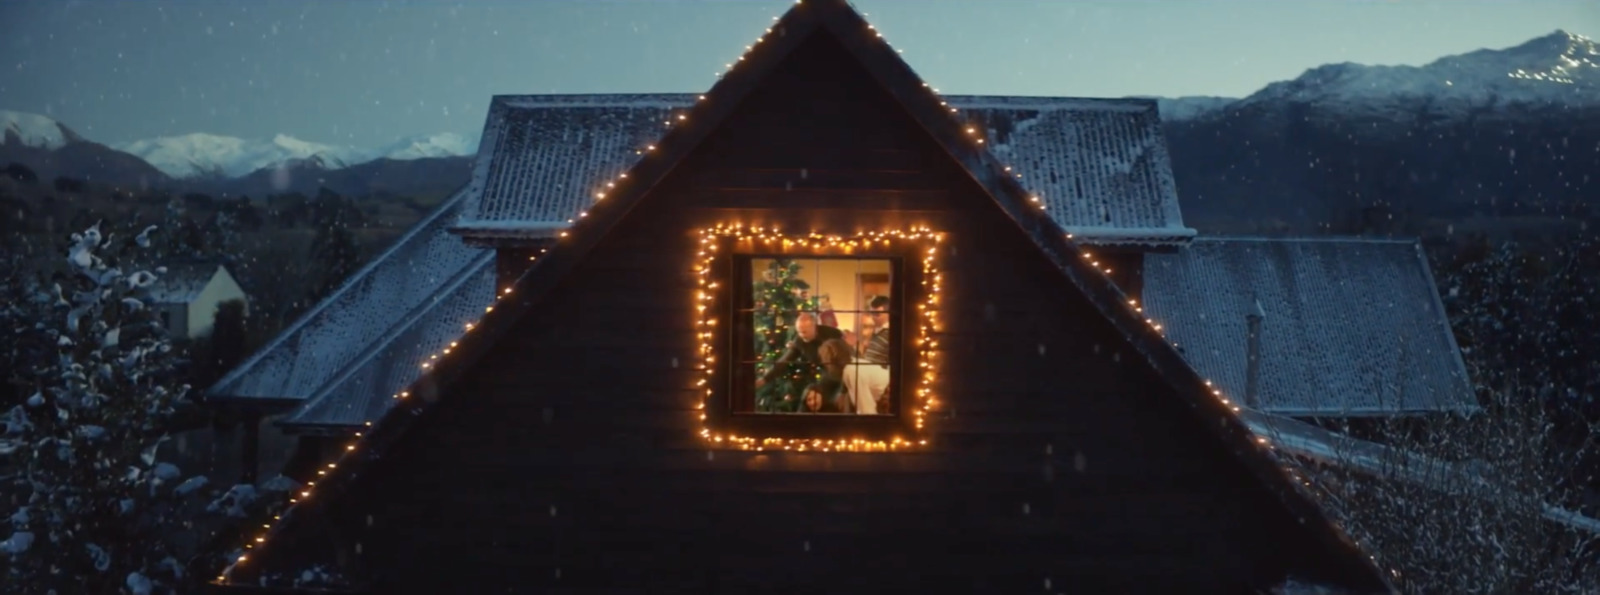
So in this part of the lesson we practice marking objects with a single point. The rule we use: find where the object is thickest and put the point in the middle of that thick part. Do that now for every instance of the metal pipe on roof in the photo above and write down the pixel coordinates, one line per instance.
(1252, 366)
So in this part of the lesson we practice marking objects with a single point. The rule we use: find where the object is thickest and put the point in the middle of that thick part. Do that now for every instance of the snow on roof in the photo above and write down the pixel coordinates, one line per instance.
(182, 283)
(1305, 440)
(327, 339)
(1099, 164)
(367, 386)
(1349, 328)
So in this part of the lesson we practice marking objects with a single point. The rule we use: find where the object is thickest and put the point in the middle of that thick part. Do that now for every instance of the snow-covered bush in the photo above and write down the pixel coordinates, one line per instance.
(1471, 505)
(1474, 504)
(94, 380)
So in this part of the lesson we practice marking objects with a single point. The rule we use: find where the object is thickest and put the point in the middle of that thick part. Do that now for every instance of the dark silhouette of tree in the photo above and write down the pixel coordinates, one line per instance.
(21, 173)
(64, 185)
(224, 348)
(334, 255)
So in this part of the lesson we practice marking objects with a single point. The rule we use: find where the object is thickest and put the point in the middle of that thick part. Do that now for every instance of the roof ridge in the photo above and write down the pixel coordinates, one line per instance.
(305, 318)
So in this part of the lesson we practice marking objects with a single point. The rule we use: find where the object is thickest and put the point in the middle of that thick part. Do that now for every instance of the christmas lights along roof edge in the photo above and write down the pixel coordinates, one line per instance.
(937, 119)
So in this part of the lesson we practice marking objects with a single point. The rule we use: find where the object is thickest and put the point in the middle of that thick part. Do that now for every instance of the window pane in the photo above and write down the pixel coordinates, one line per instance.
(819, 338)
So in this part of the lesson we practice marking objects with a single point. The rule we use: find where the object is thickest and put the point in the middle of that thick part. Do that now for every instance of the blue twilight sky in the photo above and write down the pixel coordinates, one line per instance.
(365, 72)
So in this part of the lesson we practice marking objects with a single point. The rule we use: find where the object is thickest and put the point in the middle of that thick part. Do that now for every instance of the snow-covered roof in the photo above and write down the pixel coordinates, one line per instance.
(1100, 165)
(1311, 442)
(365, 388)
(331, 337)
(182, 283)
(1349, 328)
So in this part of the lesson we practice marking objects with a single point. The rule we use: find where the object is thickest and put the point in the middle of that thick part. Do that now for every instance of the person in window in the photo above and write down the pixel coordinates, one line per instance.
(824, 396)
(868, 378)
(810, 336)
(876, 350)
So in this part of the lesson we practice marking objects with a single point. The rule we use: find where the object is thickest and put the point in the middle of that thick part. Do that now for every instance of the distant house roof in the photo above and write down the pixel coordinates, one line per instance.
(1350, 327)
(358, 316)
(183, 282)
(1100, 165)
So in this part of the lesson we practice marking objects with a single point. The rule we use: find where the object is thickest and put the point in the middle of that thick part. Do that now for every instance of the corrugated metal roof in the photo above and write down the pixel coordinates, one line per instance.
(367, 386)
(1101, 165)
(1350, 327)
(327, 339)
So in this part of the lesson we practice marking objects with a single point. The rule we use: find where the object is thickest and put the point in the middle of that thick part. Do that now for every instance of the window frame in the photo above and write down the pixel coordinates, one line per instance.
(731, 272)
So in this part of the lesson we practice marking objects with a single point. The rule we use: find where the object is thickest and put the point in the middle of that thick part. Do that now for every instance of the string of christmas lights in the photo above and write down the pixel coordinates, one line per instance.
(706, 319)
(1260, 441)
(427, 365)
(926, 343)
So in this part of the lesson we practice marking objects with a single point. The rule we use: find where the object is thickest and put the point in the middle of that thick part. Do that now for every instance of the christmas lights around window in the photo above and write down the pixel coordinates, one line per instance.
(706, 319)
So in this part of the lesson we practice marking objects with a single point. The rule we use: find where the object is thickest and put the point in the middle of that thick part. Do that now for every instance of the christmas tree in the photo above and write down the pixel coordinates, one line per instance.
(780, 296)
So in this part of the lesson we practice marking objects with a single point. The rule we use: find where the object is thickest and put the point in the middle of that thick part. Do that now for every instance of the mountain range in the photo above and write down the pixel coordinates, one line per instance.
(199, 162)
(212, 156)
(1490, 132)
(1511, 133)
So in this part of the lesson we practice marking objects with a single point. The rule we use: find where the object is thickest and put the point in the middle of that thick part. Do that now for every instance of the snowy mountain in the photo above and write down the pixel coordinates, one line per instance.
(211, 155)
(1489, 135)
(35, 131)
(50, 149)
(446, 144)
(1560, 70)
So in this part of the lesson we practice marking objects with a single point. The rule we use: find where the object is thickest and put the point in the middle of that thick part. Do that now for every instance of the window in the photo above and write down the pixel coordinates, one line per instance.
(811, 341)
(816, 336)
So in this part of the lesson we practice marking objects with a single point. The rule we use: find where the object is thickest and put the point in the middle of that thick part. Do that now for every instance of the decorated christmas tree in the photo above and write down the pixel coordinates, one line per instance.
(780, 295)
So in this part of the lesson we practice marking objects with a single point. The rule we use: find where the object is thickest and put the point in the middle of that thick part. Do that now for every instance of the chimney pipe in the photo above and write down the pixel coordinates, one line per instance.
(1252, 369)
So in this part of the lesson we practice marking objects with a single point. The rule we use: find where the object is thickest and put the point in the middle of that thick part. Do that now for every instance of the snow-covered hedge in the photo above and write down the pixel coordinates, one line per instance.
(88, 506)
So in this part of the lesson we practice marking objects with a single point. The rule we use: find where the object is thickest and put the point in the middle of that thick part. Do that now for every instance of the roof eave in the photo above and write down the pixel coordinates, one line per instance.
(1370, 412)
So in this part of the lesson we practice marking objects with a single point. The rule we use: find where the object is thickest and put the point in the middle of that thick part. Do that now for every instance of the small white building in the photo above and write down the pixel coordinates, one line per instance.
(186, 297)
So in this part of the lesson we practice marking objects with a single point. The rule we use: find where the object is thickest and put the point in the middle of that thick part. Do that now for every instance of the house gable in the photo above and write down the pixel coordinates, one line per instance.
(605, 315)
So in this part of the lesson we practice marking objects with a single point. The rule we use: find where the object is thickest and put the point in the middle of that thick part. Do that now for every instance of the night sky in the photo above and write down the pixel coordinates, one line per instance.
(364, 72)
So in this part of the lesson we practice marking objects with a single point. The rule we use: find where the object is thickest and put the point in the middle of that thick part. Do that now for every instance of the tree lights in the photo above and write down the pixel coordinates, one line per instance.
(706, 319)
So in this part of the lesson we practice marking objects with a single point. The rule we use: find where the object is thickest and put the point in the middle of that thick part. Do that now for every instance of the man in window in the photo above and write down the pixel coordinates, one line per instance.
(805, 349)
(868, 378)
(877, 349)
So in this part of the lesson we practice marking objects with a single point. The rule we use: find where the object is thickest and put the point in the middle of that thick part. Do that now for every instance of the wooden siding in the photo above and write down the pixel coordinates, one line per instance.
(567, 459)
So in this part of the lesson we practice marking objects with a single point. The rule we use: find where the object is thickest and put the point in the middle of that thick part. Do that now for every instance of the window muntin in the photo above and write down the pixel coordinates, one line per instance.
(818, 336)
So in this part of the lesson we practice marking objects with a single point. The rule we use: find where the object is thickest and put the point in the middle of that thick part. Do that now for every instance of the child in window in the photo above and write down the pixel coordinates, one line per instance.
(824, 397)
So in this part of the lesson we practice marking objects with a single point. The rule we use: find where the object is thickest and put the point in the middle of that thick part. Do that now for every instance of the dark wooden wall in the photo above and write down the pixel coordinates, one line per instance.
(568, 460)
